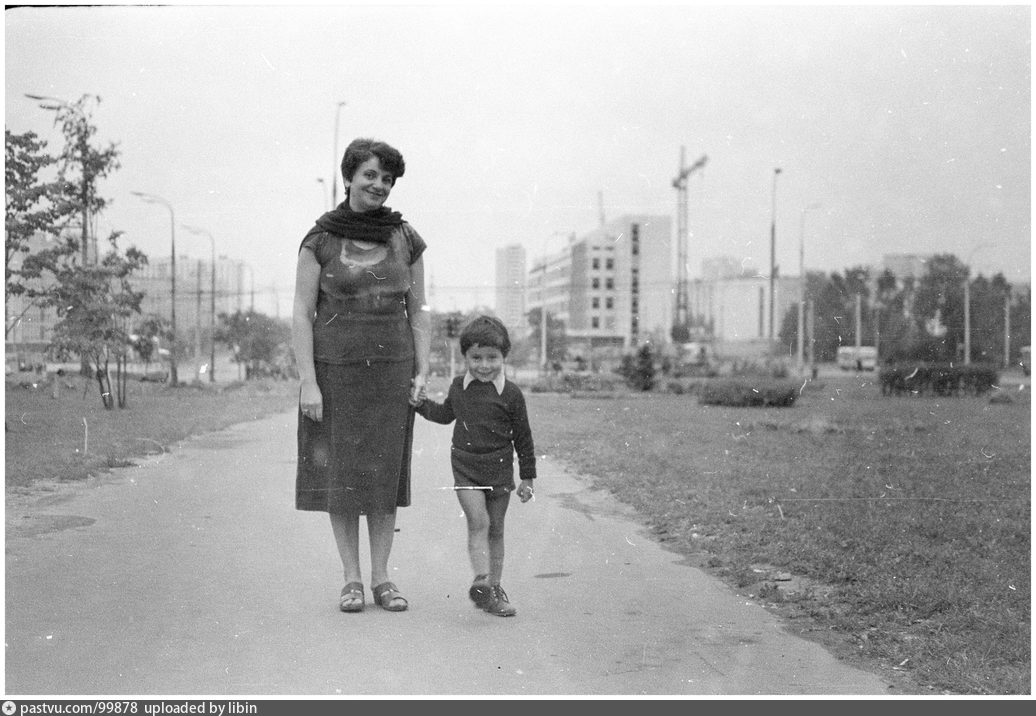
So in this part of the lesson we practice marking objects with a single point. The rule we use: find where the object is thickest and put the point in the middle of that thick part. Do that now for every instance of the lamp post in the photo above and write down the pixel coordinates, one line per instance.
(543, 304)
(773, 247)
(967, 304)
(338, 159)
(800, 358)
(152, 199)
(212, 301)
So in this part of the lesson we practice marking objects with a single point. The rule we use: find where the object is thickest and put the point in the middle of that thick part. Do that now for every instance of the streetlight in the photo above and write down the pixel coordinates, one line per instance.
(338, 160)
(967, 304)
(773, 247)
(212, 302)
(152, 199)
(543, 304)
(799, 356)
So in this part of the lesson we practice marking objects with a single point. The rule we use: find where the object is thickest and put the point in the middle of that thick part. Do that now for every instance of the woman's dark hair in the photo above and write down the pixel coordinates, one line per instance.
(485, 331)
(362, 149)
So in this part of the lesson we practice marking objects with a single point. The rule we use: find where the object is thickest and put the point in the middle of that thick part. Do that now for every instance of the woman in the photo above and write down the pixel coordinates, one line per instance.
(360, 331)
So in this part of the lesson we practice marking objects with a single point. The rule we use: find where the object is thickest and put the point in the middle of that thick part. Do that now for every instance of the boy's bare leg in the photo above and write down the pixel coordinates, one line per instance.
(473, 502)
(497, 509)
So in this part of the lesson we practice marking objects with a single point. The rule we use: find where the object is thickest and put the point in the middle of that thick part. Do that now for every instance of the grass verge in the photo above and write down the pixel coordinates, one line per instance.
(72, 436)
(894, 530)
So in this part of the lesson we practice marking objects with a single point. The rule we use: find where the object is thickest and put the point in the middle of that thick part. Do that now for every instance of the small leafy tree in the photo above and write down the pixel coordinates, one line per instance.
(95, 305)
(150, 333)
(29, 211)
(639, 369)
(256, 339)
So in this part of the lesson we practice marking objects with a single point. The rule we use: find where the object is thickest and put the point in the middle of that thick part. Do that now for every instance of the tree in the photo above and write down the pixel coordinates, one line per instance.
(95, 305)
(29, 211)
(938, 308)
(639, 370)
(149, 335)
(259, 342)
(82, 165)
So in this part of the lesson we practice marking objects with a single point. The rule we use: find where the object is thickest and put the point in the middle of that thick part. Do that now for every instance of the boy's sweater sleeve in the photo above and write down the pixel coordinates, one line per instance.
(437, 412)
(523, 438)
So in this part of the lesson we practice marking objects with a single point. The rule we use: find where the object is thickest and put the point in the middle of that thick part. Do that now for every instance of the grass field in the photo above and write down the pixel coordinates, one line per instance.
(904, 522)
(894, 530)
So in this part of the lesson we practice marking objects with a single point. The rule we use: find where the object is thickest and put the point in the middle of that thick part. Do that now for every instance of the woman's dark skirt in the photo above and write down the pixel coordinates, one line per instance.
(357, 459)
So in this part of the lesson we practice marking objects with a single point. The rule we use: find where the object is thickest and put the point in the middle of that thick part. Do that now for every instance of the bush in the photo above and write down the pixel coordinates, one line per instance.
(940, 379)
(577, 382)
(639, 371)
(738, 393)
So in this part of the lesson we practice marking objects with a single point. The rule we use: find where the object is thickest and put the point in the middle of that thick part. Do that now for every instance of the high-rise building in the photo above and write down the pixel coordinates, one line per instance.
(510, 289)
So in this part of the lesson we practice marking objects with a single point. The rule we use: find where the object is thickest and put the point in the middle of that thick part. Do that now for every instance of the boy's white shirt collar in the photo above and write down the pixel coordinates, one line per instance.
(498, 383)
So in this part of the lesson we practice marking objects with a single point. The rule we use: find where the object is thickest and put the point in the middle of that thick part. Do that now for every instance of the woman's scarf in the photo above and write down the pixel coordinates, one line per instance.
(375, 226)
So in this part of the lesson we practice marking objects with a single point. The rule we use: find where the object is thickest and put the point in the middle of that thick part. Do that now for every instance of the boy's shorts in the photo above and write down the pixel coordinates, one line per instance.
(494, 469)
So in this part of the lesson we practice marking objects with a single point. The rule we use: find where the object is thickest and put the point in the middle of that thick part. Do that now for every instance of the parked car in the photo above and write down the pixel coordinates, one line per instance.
(862, 358)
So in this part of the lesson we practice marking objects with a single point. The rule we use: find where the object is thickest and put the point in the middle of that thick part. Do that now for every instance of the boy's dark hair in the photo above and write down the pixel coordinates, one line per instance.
(362, 149)
(485, 331)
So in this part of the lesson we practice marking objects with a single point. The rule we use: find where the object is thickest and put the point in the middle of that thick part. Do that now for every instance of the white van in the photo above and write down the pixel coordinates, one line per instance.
(862, 358)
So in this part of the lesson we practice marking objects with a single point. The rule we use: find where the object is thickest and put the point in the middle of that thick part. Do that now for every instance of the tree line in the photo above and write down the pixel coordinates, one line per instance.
(915, 318)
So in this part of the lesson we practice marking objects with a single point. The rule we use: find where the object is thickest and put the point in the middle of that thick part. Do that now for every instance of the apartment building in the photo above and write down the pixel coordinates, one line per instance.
(612, 287)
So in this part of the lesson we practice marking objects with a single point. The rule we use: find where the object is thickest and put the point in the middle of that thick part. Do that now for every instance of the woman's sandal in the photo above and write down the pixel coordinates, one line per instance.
(352, 598)
(389, 598)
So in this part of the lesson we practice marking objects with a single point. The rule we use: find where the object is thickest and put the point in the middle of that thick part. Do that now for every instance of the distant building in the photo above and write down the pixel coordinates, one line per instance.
(612, 287)
(193, 279)
(904, 266)
(27, 326)
(510, 289)
(737, 308)
(32, 327)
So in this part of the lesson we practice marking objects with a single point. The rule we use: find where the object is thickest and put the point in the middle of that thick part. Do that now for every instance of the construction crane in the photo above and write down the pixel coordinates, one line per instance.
(681, 320)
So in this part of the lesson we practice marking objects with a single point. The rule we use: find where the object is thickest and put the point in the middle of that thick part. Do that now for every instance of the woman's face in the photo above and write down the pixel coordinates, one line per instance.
(370, 186)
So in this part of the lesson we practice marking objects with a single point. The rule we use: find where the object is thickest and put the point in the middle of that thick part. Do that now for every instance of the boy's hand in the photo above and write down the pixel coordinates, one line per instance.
(525, 491)
(420, 397)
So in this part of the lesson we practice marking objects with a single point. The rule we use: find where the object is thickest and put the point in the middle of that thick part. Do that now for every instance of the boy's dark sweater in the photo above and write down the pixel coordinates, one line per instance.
(486, 421)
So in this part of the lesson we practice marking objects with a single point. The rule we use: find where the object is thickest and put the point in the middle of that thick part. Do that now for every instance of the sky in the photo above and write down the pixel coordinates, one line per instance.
(896, 129)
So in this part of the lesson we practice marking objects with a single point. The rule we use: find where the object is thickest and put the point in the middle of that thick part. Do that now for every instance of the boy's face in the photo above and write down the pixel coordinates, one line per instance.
(484, 362)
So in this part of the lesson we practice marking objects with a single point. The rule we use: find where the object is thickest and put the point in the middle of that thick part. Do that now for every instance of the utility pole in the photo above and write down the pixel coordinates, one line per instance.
(773, 249)
(680, 320)
(1007, 328)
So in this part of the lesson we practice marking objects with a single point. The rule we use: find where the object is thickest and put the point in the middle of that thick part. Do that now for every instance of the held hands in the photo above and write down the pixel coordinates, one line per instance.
(525, 491)
(418, 389)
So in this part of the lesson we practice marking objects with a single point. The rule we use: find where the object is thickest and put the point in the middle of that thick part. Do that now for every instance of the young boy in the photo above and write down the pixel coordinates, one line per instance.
(491, 426)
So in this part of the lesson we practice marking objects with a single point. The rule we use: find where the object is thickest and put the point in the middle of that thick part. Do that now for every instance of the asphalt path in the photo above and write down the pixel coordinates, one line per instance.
(191, 574)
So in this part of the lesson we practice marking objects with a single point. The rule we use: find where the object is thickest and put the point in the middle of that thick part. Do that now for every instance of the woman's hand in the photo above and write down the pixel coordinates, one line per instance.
(311, 401)
(417, 388)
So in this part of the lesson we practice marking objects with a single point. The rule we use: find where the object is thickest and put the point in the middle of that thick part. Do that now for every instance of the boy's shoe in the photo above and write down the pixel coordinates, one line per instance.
(481, 591)
(498, 604)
